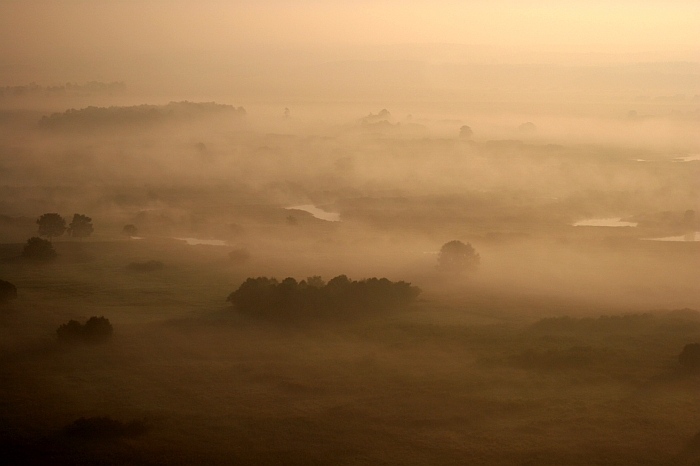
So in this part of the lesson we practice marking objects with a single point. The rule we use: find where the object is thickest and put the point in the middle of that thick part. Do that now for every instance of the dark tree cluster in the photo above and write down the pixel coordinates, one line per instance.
(38, 250)
(382, 116)
(289, 299)
(93, 428)
(8, 291)
(95, 330)
(53, 225)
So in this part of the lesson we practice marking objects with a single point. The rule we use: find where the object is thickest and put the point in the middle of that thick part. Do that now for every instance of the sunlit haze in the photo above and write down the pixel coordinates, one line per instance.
(349, 232)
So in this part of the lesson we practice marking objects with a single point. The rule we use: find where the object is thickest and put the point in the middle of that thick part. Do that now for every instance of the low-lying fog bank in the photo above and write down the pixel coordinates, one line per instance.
(424, 283)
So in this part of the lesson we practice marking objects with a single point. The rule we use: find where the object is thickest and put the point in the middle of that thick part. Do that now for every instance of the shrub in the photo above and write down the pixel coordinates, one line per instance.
(8, 291)
(39, 250)
(148, 266)
(105, 428)
(95, 330)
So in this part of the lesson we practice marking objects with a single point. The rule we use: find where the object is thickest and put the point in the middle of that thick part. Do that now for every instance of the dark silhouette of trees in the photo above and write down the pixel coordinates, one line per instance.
(80, 227)
(51, 225)
(8, 291)
(315, 281)
(340, 297)
(39, 250)
(465, 132)
(690, 356)
(95, 330)
(456, 257)
(382, 116)
(130, 230)
(102, 117)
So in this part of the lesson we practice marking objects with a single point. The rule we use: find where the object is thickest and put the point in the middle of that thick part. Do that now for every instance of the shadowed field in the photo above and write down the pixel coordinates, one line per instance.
(473, 380)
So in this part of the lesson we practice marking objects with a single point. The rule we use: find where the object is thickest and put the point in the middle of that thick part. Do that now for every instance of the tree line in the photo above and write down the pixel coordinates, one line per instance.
(137, 114)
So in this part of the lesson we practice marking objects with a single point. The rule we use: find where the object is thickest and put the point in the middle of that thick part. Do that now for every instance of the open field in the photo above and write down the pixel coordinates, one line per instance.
(467, 376)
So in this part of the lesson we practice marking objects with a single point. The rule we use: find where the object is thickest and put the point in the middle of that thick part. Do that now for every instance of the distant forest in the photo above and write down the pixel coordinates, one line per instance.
(89, 88)
(139, 114)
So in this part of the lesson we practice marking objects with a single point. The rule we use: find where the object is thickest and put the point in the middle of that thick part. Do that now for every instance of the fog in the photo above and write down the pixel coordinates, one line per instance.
(322, 232)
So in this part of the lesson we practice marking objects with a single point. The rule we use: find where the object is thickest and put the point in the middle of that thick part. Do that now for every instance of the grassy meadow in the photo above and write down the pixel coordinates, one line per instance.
(466, 377)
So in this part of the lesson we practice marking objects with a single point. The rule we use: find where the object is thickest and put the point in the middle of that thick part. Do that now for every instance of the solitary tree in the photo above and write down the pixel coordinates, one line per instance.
(457, 257)
(130, 230)
(465, 132)
(38, 249)
(80, 227)
(528, 127)
(51, 225)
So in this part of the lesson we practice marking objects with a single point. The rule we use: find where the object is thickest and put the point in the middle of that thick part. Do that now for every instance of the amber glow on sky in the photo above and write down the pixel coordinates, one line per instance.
(37, 26)
(51, 41)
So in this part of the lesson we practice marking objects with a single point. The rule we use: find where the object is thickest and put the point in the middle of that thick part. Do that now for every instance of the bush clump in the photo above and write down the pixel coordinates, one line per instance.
(690, 356)
(95, 330)
(8, 291)
(105, 428)
(39, 250)
(148, 266)
(266, 297)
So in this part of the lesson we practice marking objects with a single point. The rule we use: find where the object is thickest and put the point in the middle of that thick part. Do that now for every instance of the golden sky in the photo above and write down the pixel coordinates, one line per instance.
(31, 26)
(52, 41)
